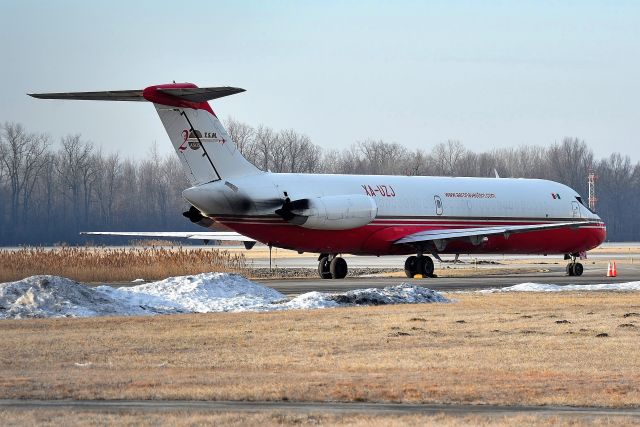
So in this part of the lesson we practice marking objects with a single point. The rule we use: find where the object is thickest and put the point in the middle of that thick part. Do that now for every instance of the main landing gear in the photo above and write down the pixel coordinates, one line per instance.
(332, 267)
(420, 264)
(574, 268)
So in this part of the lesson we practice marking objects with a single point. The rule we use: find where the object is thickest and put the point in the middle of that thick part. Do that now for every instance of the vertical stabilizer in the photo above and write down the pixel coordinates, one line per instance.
(203, 145)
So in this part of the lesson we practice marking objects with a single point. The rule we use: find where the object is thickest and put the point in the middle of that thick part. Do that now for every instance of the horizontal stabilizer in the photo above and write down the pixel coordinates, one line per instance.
(108, 95)
(195, 94)
(201, 94)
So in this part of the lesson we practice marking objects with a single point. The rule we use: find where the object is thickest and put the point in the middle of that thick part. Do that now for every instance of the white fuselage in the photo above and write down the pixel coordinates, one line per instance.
(403, 206)
(400, 196)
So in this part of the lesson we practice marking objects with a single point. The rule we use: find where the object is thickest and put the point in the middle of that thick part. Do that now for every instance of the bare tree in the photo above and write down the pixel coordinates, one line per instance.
(570, 162)
(75, 157)
(22, 155)
(447, 157)
(416, 163)
(309, 158)
(109, 171)
(265, 139)
(241, 134)
(618, 195)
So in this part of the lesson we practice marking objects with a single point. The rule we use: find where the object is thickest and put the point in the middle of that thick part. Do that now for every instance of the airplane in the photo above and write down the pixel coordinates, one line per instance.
(332, 215)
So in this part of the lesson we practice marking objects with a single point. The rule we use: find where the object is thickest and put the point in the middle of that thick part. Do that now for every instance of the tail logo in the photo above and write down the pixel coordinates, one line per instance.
(194, 137)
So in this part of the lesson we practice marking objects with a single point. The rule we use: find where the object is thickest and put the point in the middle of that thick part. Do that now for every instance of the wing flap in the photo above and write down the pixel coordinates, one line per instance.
(463, 233)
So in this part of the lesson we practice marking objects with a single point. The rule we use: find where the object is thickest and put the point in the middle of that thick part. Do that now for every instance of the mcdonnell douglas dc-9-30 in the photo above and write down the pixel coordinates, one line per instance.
(421, 216)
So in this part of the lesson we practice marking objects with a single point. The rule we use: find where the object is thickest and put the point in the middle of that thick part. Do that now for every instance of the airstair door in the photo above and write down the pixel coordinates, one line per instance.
(438, 203)
(575, 208)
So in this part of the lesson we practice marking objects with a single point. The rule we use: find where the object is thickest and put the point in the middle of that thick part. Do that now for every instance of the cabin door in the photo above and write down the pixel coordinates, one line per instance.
(438, 203)
(575, 208)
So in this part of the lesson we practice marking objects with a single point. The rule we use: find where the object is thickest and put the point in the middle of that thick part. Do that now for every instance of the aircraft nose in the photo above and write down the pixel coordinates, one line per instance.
(596, 216)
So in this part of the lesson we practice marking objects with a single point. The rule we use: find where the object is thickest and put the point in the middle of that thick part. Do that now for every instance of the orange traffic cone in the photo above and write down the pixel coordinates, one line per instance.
(615, 271)
(609, 270)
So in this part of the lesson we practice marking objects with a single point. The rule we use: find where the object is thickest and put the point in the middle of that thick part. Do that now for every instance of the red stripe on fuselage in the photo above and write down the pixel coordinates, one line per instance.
(377, 238)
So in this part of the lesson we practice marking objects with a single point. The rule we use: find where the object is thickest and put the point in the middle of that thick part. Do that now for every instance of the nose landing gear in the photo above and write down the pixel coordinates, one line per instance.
(420, 264)
(332, 267)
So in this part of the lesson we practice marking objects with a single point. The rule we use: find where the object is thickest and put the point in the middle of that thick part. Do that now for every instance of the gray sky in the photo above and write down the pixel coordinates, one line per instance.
(490, 73)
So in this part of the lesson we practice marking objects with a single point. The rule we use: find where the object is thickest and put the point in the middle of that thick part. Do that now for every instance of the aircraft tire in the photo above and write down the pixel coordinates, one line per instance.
(323, 268)
(577, 269)
(338, 268)
(411, 266)
(569, 269)
(425, 266)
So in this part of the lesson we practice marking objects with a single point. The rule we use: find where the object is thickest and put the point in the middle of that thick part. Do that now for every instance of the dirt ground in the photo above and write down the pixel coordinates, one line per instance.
(512, 348)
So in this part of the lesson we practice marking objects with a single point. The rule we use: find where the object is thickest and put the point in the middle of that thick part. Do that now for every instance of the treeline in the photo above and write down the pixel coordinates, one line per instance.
(51, 191)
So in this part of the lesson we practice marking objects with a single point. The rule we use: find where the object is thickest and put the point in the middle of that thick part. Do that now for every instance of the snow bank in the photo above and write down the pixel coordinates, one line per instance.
(541, 287)
(51, 296)
(202, 293)
(399, 294)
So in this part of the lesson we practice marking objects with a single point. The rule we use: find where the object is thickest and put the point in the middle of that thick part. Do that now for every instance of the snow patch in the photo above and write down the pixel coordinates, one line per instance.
(51, 296)
(202, 293)
(541, 287)
(399, 294)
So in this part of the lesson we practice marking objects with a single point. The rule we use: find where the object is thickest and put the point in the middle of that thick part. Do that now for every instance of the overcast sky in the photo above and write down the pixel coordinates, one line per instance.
(490, 74)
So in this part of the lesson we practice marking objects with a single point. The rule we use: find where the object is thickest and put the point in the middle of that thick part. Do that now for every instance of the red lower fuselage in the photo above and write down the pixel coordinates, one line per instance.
(378, 237)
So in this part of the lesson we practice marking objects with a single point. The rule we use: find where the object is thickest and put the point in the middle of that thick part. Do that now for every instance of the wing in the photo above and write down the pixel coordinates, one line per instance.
(475, 235)
(199, 235)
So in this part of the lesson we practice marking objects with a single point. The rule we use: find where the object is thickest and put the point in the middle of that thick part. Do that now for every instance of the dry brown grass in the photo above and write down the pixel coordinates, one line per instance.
(113, 265)
(515, 348)
(58, 417)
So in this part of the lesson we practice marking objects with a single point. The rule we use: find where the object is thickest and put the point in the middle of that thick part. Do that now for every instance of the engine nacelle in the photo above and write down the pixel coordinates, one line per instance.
(337, 212)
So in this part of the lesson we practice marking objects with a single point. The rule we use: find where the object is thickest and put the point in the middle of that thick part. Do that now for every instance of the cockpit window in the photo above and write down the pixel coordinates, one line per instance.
(579, 199)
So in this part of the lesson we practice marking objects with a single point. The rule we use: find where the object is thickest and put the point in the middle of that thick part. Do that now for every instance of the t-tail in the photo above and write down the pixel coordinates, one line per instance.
(203, 145)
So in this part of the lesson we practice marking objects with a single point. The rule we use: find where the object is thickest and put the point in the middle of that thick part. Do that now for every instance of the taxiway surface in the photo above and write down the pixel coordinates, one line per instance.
(556, 276)
(324, 407)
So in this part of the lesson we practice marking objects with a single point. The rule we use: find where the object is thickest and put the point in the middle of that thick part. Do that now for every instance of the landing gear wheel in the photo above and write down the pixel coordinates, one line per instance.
(569, 269)
(577, 269)
(425, 266)
(422, 265)
(411, 266)
(338, 268)
(323, 268)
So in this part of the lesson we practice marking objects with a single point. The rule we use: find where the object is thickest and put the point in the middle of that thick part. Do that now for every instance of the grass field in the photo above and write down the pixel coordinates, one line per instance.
(56, 418)
(512, 348)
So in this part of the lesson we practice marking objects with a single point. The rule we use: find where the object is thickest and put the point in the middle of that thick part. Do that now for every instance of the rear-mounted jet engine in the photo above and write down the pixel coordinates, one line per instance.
(330, 212)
